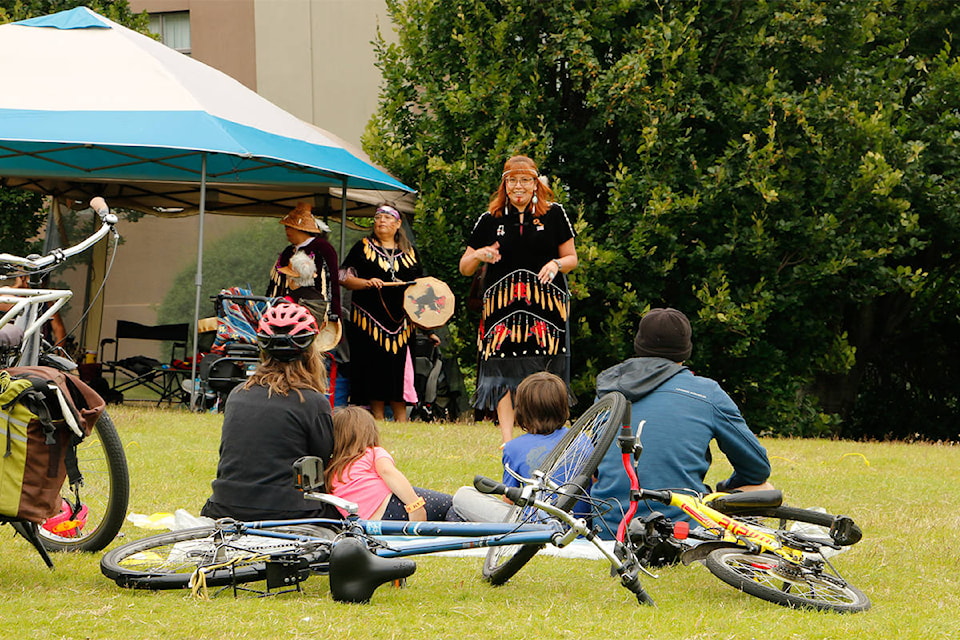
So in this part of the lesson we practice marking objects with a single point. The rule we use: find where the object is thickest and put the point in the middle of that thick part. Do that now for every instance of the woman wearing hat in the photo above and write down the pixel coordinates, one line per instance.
(525, 241)
(302, 273)
(378, 330)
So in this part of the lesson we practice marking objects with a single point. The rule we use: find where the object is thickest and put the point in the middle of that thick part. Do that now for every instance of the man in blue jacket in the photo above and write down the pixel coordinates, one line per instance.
(683, 413)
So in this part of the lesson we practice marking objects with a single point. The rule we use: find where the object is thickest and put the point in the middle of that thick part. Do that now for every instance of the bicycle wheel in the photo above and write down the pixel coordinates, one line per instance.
(769, 577)
(571, 464)
(168, 560)
(105, 492)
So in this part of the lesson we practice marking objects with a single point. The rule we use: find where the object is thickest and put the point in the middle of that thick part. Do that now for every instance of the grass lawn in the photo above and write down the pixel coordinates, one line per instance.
(903, 495)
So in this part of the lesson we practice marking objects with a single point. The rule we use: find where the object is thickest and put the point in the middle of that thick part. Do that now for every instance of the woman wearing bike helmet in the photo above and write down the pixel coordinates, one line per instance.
(280, 414)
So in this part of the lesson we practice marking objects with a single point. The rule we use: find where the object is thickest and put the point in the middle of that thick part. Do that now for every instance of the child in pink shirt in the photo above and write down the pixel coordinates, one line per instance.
(363, 472)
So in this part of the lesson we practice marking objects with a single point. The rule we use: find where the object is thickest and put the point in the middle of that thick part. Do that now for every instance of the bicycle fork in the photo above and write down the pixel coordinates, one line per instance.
(625, 562)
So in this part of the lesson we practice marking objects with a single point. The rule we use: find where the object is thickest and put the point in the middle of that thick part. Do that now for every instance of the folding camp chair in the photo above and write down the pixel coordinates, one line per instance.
(164, 379)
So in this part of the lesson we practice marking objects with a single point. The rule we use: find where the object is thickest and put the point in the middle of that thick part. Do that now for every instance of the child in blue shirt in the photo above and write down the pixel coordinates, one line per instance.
(542, 410)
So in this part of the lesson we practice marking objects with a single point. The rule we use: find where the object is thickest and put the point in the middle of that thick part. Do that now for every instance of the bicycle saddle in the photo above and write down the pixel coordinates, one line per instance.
(747, 501)
(356, 572)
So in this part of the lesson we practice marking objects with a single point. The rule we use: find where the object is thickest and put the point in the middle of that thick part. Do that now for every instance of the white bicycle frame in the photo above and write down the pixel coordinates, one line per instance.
(26, 303)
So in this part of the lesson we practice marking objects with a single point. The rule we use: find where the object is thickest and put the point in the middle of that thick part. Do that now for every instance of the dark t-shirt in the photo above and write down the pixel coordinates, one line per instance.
(261, 439)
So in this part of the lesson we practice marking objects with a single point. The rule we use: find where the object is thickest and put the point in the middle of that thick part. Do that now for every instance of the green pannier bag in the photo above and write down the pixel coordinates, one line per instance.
(44, 414)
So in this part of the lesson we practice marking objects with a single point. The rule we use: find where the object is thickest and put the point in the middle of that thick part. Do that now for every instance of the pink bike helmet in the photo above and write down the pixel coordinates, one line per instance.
(286, 331)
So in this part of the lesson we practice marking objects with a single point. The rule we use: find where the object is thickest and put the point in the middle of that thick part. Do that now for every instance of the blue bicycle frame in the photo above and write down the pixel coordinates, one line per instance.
(474, 535)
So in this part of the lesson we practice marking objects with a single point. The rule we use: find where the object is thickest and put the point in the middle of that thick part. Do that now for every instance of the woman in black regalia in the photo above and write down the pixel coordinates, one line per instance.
(378, 330)
(527, 242)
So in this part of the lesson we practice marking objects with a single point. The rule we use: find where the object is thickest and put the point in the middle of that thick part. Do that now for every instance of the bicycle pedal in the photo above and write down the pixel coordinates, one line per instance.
(845, 531)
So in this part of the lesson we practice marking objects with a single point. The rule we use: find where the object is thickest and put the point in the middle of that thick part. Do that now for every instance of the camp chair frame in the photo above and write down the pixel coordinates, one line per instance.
(164, 380)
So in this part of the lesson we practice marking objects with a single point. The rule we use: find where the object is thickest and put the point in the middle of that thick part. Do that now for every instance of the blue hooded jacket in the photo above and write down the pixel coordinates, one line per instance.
(683, 414)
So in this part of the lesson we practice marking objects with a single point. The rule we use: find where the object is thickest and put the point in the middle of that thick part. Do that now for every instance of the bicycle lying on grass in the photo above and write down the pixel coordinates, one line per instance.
(96, 492)
(749, 540)
(359, 555)
(360, 558)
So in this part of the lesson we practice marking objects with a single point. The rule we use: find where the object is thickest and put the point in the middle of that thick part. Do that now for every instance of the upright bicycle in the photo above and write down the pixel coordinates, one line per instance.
(99, 495)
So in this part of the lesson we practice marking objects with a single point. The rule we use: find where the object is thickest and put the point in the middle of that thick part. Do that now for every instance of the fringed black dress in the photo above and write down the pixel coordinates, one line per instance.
(378, 331)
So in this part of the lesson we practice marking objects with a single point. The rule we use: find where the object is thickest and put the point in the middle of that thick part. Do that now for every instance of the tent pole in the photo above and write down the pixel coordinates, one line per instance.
(343, 219)
(194, 386)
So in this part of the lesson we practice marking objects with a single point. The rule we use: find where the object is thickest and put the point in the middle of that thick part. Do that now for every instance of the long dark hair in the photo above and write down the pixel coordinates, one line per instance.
(400, 237)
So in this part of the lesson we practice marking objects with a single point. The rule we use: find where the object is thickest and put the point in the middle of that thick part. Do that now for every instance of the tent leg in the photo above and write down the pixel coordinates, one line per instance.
(195, 393)
(343, 220)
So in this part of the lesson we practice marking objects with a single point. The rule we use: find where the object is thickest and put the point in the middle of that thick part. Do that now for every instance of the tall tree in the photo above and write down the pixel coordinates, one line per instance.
(784, 172)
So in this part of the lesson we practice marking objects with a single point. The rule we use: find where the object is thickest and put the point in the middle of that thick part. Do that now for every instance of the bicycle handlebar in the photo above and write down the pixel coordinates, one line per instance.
(663, 496)
(486, 485)
(35, 262)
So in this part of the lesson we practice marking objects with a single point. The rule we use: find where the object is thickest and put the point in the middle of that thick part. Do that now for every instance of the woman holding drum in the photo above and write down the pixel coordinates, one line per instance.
(526, 241)
(378, 329)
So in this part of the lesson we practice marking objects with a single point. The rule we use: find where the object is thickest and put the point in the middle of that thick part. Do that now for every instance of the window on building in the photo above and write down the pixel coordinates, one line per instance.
(173, 29)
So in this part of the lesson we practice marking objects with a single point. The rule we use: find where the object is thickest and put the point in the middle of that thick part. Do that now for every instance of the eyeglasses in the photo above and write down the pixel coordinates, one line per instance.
(525, 181)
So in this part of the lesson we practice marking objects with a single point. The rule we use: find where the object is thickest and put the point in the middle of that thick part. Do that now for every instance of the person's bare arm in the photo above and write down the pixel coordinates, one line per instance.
(566, 263)
(355, 284)
(400, 486)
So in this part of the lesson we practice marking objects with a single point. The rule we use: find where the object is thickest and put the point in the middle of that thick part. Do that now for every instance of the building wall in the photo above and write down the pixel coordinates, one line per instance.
(313, 58)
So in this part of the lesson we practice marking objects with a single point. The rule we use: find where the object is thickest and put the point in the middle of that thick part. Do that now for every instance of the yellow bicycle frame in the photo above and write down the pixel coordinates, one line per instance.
(734, 530)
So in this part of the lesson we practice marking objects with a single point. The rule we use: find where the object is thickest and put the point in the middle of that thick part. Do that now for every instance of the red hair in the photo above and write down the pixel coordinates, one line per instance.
(521, 165)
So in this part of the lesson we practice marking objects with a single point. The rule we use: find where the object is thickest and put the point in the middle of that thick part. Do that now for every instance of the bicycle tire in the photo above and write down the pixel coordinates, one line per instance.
(105, 491)
(573, 461)
(168, 560)
(769, 577)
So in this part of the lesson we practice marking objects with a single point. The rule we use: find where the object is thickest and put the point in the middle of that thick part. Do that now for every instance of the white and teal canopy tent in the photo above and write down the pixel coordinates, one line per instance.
(89, 107)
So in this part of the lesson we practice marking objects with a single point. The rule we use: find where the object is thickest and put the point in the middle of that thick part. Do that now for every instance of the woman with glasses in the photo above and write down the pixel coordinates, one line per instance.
(525, 242)
(378, 331)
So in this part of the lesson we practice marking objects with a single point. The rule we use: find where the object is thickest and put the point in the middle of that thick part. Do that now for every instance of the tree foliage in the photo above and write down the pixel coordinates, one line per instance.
(784, 172)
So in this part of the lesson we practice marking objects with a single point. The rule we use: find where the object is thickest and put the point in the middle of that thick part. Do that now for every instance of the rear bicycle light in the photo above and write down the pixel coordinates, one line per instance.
(681, 530)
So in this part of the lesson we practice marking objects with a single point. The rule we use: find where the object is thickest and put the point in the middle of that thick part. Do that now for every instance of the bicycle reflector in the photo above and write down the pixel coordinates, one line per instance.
(681, 530)
(67, 524)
